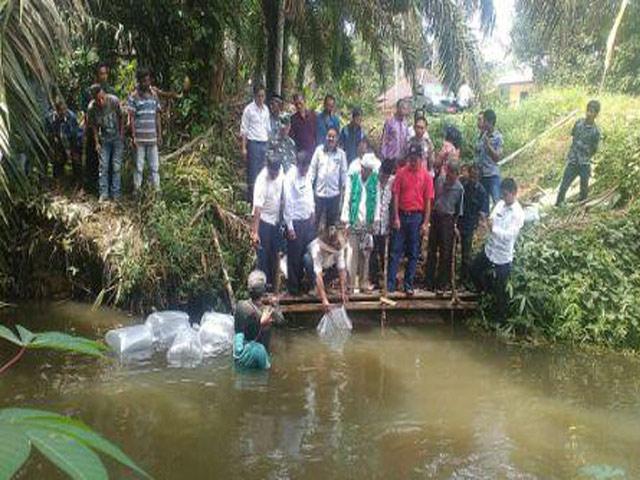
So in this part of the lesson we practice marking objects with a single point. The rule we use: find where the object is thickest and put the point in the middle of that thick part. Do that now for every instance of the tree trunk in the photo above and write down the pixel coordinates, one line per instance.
(279, 49)
(216, 85)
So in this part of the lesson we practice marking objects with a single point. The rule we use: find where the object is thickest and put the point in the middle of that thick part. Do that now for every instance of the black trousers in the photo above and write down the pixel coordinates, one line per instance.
(91, 164)
(376, 262)
(440, 253)
(491, 278)
(466, 244)
(327, 211)
(268, 250)
(571, 171)
(305, 233)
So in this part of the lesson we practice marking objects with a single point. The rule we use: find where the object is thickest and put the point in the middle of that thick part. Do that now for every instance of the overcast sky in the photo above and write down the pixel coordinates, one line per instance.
(496, 47)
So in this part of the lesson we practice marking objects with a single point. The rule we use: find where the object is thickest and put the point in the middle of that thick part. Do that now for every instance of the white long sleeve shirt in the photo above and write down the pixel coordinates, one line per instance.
(256, 123)
(328, 171)
(267, 195)
(507, 220)
(299, 203)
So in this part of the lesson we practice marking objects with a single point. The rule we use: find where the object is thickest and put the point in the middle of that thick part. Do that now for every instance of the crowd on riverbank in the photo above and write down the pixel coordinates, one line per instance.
(346, 204)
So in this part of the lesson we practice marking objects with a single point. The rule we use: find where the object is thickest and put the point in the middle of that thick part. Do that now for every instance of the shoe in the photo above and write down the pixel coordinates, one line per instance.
(103, 198)
(409, 292)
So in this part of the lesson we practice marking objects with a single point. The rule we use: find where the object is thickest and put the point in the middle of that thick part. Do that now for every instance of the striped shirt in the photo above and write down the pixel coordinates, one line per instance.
(145, 108)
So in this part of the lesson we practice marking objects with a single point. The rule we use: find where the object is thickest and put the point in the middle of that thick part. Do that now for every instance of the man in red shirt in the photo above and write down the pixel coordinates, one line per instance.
(412, 197)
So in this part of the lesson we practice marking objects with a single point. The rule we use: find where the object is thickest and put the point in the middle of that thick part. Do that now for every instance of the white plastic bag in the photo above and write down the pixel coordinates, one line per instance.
(216, 333)
(165, 326)
(186, 350)
(335, 326)
(127, 340)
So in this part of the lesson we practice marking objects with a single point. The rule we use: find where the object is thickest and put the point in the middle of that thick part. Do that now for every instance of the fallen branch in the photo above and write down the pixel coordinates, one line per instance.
(189, 145)
(225, 274)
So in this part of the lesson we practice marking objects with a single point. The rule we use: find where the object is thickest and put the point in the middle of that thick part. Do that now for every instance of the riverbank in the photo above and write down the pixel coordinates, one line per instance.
(573, 276)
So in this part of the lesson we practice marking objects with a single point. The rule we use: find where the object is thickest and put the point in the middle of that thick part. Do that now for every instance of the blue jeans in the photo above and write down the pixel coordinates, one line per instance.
(110, 155)
(492, 187)
(405, 241)
(256, 152)
(150, 152)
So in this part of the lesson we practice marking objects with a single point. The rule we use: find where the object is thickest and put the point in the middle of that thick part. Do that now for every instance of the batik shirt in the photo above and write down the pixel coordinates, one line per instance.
(394, 138)
(585, 143)
(488, 168)
(285, 149)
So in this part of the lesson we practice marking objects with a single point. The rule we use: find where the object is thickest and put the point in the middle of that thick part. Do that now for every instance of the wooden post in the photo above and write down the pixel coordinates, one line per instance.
(385, 266)
(225, 274)
(454, 291)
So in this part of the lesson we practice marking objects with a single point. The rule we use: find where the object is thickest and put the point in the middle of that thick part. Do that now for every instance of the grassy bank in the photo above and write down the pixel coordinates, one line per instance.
(575, 275)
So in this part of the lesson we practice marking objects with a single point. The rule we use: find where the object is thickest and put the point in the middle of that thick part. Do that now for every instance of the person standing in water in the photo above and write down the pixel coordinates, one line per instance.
(253, 319)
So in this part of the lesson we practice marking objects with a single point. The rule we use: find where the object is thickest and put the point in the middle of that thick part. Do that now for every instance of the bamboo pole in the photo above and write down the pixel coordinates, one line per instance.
(225, 274)
(528, 145)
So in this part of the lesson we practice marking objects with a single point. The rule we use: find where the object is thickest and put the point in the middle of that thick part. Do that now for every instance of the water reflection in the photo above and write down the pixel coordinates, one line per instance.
(406, 402)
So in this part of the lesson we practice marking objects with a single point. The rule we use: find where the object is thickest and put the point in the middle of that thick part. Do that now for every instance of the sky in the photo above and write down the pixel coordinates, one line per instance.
(496, 47)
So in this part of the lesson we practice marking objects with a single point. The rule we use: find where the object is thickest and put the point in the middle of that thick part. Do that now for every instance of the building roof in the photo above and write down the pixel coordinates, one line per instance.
(403, 89)
(516, 77)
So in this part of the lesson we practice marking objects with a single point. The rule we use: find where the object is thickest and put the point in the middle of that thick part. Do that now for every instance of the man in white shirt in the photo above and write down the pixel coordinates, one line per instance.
(360, 214)
(299, 208)
(255, 128)
(325, 255)
(491, 268)
(328, 174)
(267, 204)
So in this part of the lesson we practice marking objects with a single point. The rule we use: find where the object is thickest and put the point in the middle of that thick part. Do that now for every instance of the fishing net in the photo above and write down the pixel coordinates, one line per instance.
(335, 327)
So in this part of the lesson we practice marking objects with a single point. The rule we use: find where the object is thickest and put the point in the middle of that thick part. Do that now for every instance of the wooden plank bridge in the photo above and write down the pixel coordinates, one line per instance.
(422, 300)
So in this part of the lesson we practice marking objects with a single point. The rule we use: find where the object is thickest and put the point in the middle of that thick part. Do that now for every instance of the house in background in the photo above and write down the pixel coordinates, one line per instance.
(516, 86)
(426, 82)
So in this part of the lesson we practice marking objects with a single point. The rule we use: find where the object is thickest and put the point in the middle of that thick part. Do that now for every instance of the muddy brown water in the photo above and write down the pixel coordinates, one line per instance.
(406, 402)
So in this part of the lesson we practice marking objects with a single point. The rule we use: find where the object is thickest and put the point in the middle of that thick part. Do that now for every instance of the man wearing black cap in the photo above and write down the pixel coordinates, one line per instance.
(352, 134)
(275, 111)
(412, 196)
(267, 204)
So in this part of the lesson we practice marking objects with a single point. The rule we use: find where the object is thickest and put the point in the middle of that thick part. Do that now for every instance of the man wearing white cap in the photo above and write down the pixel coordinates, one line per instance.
(360, 214)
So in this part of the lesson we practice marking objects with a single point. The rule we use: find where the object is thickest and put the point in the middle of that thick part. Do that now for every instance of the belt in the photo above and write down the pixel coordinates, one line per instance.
(411, 212)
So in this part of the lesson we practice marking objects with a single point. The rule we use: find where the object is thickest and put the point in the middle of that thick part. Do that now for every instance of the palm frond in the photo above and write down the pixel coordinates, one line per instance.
(32, 34)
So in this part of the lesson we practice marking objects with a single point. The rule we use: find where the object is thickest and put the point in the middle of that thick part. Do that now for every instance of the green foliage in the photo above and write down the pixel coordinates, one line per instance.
(52, 340)
(517, 124)
(69, 444)
(565, 42)
(580, 282)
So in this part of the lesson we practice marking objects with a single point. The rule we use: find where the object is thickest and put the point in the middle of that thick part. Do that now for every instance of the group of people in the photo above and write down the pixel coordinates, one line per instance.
(342, 210)
(95, 143)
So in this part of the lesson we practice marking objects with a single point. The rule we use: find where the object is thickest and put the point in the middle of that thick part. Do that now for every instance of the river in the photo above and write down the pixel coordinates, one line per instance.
(397, 403)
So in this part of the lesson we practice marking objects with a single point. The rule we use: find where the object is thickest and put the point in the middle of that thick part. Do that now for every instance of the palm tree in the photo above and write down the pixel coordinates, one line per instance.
(415, 26)
(32, 34)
